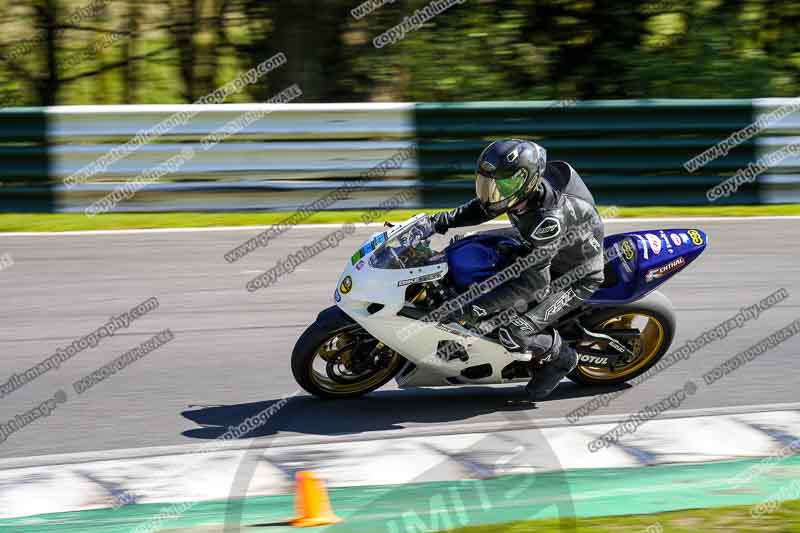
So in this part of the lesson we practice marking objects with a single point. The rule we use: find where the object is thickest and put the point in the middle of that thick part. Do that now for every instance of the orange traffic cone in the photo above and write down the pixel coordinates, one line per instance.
(312, 504)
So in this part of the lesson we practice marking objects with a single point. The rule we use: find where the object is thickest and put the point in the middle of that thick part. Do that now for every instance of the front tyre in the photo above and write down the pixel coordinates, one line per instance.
(652, 317)
(336, 358)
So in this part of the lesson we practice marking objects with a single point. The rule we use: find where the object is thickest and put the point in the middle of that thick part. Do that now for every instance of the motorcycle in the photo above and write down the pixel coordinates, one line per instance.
(383, 324)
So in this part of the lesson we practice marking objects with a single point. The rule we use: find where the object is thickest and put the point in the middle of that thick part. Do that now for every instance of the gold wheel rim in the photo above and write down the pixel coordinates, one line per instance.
(339, 346)
(651, 338)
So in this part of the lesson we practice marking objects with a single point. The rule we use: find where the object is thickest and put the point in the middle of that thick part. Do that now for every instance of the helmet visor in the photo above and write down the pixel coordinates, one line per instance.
(500, 192)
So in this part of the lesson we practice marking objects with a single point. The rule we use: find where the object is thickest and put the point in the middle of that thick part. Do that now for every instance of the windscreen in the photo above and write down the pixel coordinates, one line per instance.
(407, 248)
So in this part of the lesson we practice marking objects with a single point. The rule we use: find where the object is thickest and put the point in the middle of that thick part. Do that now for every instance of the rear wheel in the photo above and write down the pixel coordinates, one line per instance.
(336, 358)
(649, 327)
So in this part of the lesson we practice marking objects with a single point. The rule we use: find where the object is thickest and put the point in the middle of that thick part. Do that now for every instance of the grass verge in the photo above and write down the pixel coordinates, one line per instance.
(786, 519)
(78, 221)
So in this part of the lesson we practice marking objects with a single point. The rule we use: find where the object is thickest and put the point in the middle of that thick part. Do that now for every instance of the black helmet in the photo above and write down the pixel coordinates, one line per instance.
(508, 171)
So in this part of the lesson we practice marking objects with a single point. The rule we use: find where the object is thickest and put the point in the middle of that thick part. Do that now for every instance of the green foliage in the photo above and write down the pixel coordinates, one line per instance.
(176, 51)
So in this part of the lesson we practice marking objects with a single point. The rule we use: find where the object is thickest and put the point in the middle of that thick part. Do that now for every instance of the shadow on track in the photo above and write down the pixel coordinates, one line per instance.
(378, 411)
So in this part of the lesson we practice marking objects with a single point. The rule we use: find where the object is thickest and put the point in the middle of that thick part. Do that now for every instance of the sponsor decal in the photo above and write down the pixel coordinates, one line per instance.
(655, 242)
(337, 296)
(666, 241)
(452, 331)
(360, 265)
(420, 279)
(367, 248)
(380, 239)
(622, 260)
(684, 238)
(346, 285)
(626, 266)
(676, 240)
(627, 249)
(697, 239)
(559, 304)
(658, 273)
(547, 229)
(593, 359)
(614, 343)
(645, 253)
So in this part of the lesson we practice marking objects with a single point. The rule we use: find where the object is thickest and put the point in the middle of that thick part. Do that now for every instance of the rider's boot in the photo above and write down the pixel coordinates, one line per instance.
(562, 360)
(550, 358)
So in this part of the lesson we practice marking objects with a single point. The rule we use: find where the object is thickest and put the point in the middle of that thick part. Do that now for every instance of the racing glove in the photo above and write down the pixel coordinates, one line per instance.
(440, 223)
(471, 213)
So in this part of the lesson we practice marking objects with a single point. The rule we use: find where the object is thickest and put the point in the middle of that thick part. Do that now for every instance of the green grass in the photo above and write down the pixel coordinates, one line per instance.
(711, 211)
(785, 519)
(77, 221)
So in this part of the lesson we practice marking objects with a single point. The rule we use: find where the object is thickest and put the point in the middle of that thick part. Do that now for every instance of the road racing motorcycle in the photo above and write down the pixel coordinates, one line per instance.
(381, 328)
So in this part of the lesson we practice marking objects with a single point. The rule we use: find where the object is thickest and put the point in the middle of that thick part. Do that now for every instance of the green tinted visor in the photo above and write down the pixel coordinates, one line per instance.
(499, 193)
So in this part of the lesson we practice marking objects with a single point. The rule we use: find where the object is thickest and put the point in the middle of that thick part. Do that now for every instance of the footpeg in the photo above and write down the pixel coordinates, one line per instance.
(605, 359)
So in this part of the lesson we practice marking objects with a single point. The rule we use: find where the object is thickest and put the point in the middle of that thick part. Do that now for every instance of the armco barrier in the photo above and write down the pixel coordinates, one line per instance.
(25, 183)
(780, 184)
(631, 152)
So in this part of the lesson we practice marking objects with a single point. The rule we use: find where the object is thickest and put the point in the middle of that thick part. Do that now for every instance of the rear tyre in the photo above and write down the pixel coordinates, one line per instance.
(653, 316)
(336, 358)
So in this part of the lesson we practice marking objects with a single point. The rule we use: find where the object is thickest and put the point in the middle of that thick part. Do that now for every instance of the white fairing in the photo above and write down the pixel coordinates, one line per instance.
(415, 340)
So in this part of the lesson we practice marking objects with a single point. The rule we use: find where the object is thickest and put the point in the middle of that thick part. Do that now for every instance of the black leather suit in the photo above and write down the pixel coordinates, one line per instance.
(560, 218)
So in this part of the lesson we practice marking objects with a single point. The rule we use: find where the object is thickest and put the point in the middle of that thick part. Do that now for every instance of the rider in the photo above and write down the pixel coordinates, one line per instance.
(554, 213)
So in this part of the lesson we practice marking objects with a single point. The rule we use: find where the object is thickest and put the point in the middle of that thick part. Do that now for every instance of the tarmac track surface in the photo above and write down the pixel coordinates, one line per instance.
(230, 355)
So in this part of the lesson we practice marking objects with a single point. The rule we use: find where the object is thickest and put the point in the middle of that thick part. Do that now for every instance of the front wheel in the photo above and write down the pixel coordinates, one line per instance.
(652, 323)
(336, 358)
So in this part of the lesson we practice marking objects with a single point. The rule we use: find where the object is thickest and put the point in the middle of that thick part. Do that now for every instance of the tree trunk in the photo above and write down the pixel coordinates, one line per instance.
(185, 14)
(309, 33)
(130, 76)
(48, 85)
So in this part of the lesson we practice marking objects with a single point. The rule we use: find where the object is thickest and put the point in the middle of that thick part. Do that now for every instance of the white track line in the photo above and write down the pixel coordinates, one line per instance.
(290, 441)
(631, 220)
(411, 457)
